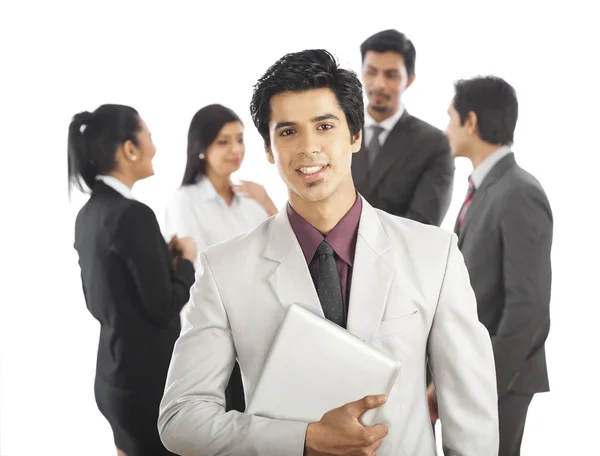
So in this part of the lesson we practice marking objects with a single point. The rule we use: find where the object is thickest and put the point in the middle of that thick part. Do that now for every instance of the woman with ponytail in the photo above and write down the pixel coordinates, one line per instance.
(134, 283)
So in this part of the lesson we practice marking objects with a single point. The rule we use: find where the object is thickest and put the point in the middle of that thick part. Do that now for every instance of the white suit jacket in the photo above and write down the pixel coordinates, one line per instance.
(410, 297)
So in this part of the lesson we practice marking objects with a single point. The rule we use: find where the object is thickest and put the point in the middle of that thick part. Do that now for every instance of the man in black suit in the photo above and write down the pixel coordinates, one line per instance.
(405, 166)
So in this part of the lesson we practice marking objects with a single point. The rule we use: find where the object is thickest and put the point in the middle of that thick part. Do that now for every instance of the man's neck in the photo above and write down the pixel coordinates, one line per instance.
(325, 215)
(380, 116)
(481, 151)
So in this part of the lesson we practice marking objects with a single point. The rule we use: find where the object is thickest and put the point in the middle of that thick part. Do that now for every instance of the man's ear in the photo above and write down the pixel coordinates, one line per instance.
(269, 153)
(356, 142)
(472, 124)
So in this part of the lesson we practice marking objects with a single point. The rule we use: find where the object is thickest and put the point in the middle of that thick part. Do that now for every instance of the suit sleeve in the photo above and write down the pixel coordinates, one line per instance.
(192, 417)
(527, 228)
(163, 290)
(462, 363)
(433, 194)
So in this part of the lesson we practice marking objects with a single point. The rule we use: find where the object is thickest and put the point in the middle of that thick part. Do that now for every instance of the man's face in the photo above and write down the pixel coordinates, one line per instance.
(385, 80)
(311, 144)
(457, 134)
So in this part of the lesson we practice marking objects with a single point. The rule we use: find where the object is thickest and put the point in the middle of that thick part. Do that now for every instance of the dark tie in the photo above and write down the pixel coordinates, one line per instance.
(465, 206)
(374, 145)
(328, 285)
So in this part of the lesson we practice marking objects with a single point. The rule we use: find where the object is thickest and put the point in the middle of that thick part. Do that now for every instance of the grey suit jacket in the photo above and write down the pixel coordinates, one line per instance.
(506, 241)
(412, 176)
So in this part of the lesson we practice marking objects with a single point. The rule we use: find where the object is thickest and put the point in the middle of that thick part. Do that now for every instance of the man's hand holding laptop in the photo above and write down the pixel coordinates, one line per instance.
(340, 432)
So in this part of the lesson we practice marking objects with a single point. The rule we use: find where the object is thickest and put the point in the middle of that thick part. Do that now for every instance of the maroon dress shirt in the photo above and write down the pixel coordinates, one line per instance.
(342, 239)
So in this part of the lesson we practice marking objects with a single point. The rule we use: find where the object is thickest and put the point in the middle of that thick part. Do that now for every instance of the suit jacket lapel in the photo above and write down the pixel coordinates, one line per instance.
(371, 276)
(391, 150)
(479, 197)
(476, 201)
(291, 280)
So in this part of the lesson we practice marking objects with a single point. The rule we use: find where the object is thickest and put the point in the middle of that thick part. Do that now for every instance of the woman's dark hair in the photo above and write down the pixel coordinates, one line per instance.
(204, 129)
(307, 70)
(94, 138)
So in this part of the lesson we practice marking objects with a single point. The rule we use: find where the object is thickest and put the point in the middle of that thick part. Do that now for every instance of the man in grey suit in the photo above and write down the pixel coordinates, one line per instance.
(404, 166)
(505, 234)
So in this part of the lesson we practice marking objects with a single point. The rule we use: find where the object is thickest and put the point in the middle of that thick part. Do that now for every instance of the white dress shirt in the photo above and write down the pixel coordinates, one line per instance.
(387, 125)
(116, 185)
(199, 212)
(483, 169)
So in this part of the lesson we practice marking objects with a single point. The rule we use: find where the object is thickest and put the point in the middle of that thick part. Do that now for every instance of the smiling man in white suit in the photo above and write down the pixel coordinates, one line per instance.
(400, 285)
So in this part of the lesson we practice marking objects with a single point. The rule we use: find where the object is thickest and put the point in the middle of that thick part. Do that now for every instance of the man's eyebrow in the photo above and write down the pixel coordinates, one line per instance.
(320, 118)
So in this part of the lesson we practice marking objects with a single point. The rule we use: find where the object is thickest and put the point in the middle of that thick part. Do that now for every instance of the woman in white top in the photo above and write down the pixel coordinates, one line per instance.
(208, 207)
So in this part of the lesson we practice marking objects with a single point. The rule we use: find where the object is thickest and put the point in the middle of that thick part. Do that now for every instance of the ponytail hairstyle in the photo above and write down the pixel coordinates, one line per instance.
(204, 129)
(94, 138)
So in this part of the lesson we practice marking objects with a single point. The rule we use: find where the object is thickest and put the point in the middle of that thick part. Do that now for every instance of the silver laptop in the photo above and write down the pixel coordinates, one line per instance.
(315, 366)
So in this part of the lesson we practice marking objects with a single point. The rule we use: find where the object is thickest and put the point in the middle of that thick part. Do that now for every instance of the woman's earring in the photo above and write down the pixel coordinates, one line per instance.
(134, 158)
(201, 156)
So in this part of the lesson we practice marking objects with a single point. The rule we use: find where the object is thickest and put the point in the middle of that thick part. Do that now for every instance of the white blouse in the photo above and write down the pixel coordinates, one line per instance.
(199, 212)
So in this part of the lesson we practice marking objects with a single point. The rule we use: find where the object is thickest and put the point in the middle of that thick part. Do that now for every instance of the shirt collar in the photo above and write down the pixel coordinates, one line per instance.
(342, 237)
(116, 185)
(479, 174)
(388, 123)
(207, 190)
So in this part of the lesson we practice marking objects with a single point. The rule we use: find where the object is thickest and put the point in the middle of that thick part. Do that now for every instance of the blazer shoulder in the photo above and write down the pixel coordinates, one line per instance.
(132, 219)
(519, 182)
(107, 207)
(432, 135)
(426, 128)
(414, 234)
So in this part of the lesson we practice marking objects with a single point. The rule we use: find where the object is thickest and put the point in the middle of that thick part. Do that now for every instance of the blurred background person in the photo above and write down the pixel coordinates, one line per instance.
(505, 231)
(405, 166)
(134, 283)
(208, 206)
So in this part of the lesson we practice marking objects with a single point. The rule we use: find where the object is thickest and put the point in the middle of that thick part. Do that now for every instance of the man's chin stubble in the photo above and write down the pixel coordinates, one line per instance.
(380, 109)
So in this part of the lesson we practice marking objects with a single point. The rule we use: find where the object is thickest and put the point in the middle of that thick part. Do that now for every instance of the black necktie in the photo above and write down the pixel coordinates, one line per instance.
(328, 285)
(374, 145)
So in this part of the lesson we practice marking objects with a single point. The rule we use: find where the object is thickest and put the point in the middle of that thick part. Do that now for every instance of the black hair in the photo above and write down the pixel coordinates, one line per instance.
(307, 70)
(94, 138)
(391, 40)
(204, 129)
(494, 101)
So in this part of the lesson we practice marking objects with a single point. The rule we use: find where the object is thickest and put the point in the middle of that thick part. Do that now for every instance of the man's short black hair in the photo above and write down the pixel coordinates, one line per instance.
(494, 101)
(391, 40)
(307, 70)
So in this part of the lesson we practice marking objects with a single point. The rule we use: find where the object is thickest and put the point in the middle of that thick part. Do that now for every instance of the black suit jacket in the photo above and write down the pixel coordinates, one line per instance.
(412, 176)
(506, 241)
(131, 288)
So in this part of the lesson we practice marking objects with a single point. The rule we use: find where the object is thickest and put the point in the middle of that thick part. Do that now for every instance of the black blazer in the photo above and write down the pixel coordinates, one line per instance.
(412, 176)
(131, 288)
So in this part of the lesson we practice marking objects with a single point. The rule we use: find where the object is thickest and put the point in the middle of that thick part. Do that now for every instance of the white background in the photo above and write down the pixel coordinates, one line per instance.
(59, 58)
